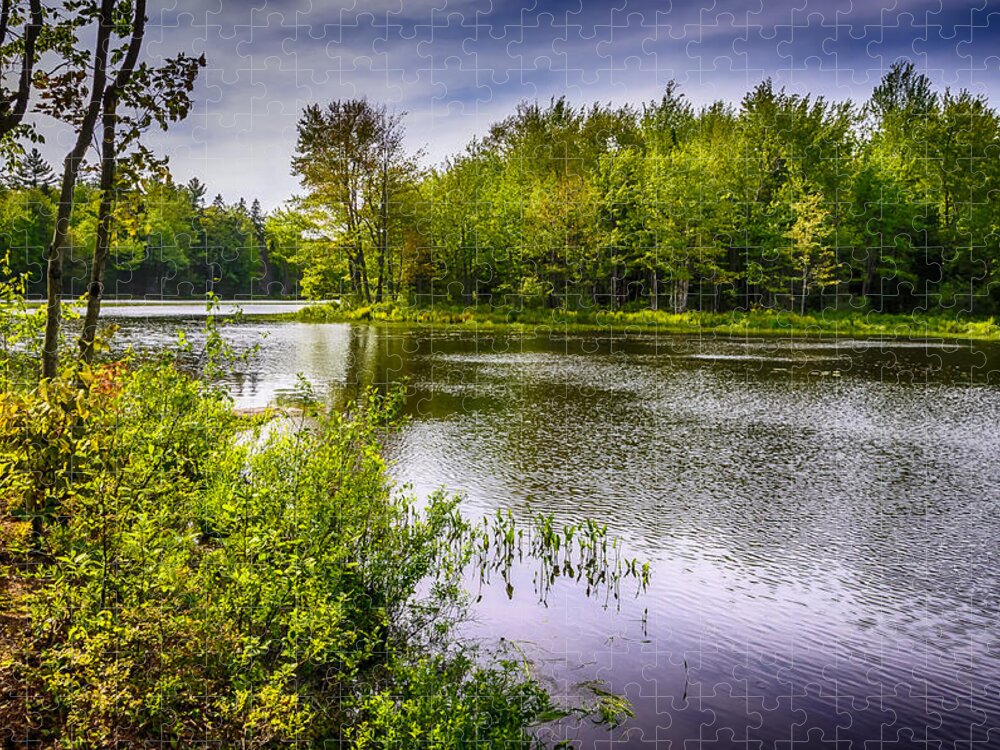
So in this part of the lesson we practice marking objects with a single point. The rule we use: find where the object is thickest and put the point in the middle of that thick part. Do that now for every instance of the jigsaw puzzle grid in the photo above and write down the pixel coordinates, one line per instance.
(699, 674)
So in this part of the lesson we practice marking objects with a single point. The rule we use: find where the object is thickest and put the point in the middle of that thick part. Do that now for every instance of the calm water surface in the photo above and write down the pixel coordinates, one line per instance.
(821, 515)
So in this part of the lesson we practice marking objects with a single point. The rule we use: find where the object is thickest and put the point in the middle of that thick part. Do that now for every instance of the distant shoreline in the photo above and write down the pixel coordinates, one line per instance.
(135, 302)
(832, 324)
(763, 323)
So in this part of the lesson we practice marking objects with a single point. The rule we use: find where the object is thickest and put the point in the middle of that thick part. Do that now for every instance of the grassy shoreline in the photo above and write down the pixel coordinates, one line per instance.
(763, 322)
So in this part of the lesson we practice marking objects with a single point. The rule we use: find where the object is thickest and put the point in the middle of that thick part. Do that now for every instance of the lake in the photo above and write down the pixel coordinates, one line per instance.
(820, 514)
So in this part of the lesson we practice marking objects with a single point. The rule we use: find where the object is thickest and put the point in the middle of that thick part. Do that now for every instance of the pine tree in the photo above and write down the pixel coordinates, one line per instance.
(196, 188)
(33, 172)
(257, 219)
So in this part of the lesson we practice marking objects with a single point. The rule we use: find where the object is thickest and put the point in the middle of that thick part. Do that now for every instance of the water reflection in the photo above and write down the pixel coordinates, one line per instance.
(821, 514)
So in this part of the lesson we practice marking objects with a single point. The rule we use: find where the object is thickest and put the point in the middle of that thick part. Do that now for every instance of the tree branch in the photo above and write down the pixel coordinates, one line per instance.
(4, 21)
(18, 103)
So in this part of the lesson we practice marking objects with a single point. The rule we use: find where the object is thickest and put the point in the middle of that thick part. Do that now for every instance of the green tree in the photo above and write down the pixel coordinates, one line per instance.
(690, 204)
(886, 229)
(258, 221)
(966, 143)
(625, 240)
(172, 240)
(297, 238)
(32, 171)
(784, 137)
(25, 226)
(561, 222)
(811, 258)
(66, 99)
(897, 179)
(158, 95)
(351, 159)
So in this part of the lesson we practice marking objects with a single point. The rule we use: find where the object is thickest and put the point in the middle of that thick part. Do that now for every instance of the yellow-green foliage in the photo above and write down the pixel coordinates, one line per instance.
(187, 575)
(756, 322)
(37, 434)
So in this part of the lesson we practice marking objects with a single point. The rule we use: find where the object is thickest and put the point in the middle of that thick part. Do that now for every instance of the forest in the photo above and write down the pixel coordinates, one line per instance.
(782, 202)
(169, 241)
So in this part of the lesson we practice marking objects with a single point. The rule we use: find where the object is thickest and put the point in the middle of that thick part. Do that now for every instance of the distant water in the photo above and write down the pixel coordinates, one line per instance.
(184, 309)
(821, 515)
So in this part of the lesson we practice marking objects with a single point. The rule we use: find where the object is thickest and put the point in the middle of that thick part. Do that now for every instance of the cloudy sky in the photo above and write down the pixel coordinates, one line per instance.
(458, 65)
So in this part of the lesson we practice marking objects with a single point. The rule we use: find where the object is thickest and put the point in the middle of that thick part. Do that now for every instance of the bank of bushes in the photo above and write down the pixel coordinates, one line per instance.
(176, 574)
(758, 322)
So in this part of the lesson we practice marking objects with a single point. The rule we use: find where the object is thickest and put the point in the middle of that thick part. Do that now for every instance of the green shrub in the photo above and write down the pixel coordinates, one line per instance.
(193, 577)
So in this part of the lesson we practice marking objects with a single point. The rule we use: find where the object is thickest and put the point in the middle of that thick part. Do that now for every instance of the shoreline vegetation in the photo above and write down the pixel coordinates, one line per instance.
(758, 322)
(175, 571)
(775, 201)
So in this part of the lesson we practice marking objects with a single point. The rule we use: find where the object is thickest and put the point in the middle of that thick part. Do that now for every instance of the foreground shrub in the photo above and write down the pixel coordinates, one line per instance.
(180, 575)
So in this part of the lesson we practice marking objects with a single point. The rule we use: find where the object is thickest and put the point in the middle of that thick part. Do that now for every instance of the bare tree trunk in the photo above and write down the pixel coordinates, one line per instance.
(390, 286)
(398, 278)
(383, 229)
(871, 266)
(655, 299)
(359, 270)
(680, 295)
(71, 170)
(363, 274)
(102, 244)
(805, 288)
(352, 272)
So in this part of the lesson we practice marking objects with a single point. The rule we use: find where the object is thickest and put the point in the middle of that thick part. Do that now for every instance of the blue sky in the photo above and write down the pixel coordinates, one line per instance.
(457, 66)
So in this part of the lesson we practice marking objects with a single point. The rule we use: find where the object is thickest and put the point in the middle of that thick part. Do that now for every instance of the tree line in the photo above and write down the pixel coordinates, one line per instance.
(169, 240)
(783, 201)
